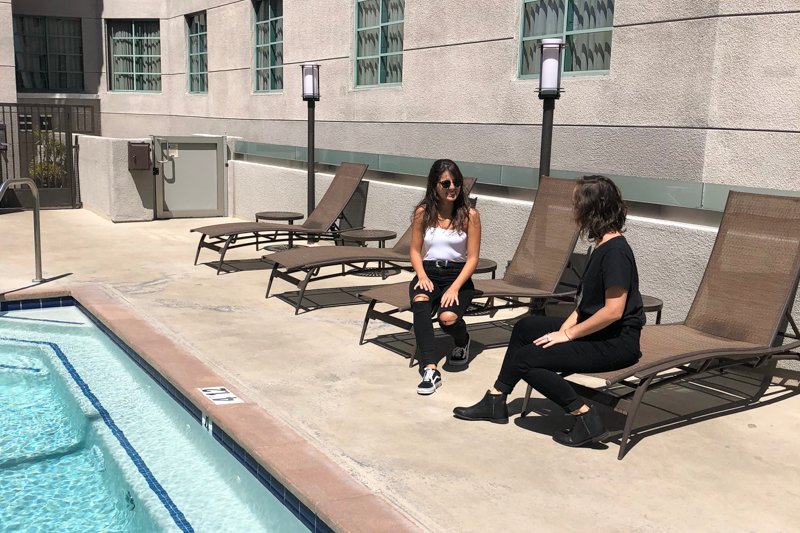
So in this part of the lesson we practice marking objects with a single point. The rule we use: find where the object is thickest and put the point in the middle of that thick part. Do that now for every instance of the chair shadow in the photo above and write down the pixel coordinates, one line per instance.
(232, 266)
(484, 335)
(326, 298)
(674, 406)
(32, 285)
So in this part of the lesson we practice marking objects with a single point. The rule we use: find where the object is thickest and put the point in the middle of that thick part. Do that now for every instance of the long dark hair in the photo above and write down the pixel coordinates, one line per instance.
(599, 207)
(430, 216)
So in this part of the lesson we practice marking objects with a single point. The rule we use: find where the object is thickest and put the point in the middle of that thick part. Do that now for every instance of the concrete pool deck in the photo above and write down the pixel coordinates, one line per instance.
(358, 406)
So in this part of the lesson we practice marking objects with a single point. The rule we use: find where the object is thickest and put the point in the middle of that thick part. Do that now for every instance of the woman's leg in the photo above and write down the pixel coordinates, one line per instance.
(451, 317)
(422, 307)
(524, 333)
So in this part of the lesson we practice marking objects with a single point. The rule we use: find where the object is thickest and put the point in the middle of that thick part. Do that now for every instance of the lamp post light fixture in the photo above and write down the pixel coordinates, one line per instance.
(549, 91)
(310, 95)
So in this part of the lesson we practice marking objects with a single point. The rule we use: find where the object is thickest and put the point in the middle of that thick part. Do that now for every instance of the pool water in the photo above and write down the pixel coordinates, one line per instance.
(89, 442)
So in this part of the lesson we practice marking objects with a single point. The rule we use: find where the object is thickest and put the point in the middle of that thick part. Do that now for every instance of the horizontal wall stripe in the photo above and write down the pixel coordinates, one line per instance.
(319, 121)
(707, 17)
(465, 43)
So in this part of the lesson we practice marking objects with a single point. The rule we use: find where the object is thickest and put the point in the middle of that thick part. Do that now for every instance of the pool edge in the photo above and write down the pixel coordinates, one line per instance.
(311, 478)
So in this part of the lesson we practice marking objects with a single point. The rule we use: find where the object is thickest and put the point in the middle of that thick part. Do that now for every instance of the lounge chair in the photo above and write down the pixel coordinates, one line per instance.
(320, 224)
(534, 273)
(739, 314)
(352, 260)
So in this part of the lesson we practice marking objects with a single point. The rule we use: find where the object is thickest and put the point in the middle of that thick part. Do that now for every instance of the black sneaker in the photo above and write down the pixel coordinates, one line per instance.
(460, 356)
(431, 380)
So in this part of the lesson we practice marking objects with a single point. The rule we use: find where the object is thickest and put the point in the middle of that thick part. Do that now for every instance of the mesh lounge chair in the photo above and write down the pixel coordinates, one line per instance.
(311, 260)
(538, 264)
(321, 223)
(740, 312)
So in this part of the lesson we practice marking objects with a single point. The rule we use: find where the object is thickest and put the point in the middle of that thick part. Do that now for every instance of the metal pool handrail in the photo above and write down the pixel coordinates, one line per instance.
(37, 241)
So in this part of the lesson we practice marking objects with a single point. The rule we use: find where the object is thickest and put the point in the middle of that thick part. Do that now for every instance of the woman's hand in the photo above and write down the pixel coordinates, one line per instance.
(450, 296)
(551, 339)
(425, 284)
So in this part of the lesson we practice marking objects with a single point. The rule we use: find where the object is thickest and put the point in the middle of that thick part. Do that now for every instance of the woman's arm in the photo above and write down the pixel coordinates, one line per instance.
(571, 320)
(417, 240)
(473, 253)
(616, 297)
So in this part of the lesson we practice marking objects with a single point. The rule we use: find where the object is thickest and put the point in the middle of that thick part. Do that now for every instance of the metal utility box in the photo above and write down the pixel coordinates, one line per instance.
(139, 156)
(3, 141)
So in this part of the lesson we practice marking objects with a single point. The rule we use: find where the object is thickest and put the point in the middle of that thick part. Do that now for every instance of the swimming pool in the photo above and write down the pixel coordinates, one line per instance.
(90, 442)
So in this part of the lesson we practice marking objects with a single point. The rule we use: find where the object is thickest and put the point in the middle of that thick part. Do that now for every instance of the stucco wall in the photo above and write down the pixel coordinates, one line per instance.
(107, 186)
(690, 84)
(8, 84)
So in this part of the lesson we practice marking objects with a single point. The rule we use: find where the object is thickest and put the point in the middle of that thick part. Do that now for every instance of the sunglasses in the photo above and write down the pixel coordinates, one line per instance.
(446, 183)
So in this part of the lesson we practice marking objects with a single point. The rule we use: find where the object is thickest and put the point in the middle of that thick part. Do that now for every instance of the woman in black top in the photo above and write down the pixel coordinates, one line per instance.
(601, 335)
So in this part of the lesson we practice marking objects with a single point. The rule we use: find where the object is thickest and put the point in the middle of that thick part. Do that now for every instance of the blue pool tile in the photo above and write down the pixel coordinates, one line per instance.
(307, 516)
(276, 488)
(51, 302)
(292, 502)
(322, 527)
(251, 464)
(31, 304)
(67, 301)
(263, 476)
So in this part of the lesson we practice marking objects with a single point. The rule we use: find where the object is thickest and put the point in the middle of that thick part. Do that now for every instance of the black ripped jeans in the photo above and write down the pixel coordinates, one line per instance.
(598, 352)
(442, 277)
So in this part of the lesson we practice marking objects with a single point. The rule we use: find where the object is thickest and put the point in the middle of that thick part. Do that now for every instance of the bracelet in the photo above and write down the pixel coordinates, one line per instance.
(567, 335)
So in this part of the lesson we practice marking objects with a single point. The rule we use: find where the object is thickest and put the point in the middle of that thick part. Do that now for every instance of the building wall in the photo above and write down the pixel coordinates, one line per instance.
(8, 84)
(698, 91)
(107, 187)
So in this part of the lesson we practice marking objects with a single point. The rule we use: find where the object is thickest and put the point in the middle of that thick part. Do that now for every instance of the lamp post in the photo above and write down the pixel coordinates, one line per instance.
(549, 91)
(310, 95)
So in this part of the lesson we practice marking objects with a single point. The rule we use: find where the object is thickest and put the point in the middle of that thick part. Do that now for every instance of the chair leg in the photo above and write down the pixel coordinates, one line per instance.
(303, 285)
(199, 247)
(271, 279)
(366, 321)
(413, 355)
(634, 406)
(222, 253)
(525, 402)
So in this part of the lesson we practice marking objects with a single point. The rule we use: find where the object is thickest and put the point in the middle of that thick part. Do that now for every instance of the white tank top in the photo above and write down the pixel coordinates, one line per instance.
(444, 244)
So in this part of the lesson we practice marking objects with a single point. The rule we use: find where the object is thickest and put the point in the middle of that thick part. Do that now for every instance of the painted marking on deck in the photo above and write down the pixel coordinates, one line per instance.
(220, 395)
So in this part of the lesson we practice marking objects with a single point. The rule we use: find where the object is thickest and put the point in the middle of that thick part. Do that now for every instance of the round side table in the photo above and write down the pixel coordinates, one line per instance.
(288, 216)
(652, 304)
(362, 237)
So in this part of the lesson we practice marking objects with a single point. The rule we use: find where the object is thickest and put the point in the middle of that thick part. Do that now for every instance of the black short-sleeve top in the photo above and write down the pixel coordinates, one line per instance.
(611, 265)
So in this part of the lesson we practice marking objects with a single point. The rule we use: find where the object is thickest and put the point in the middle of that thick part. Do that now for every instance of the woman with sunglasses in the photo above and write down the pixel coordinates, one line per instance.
(445, 244)
(601, 335)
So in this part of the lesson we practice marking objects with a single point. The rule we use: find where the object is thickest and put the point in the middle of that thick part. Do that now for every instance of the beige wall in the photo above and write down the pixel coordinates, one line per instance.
(8, 84)
(698, 91)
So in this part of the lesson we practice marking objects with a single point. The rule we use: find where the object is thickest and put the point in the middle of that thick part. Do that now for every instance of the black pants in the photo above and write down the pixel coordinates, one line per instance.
(538, 366)
(441, 277)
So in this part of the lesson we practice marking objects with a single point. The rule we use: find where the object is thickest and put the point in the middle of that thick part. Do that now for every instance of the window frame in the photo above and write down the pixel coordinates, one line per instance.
(380, 55)
(203, 75)
(111, 73)
(48, 54)
(267, 45)
(563, 35)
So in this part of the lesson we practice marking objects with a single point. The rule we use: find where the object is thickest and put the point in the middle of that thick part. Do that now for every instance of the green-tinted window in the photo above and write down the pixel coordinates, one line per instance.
(379, 42)
(48, 54)
(269, 45)
(198, 53)
(134, 51)
(585, 27)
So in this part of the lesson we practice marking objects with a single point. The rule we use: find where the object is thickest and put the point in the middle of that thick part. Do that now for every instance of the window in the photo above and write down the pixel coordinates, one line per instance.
(48, 54)
(269, 45)
(586, 30)
(134, 55)
(198, 53)
(379, 42)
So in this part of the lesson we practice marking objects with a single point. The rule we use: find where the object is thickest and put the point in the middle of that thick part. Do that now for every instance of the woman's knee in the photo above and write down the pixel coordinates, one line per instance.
(448, 318)
(422, 298)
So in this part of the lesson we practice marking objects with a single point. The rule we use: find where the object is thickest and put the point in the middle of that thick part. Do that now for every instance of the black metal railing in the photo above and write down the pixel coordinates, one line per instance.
(39, 145)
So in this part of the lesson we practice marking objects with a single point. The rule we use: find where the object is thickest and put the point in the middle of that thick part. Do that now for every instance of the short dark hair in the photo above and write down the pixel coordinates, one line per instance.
(599, 207)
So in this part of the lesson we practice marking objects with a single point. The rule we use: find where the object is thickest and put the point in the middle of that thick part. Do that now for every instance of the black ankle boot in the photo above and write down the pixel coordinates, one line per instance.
(588, 428)
(492, 408)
